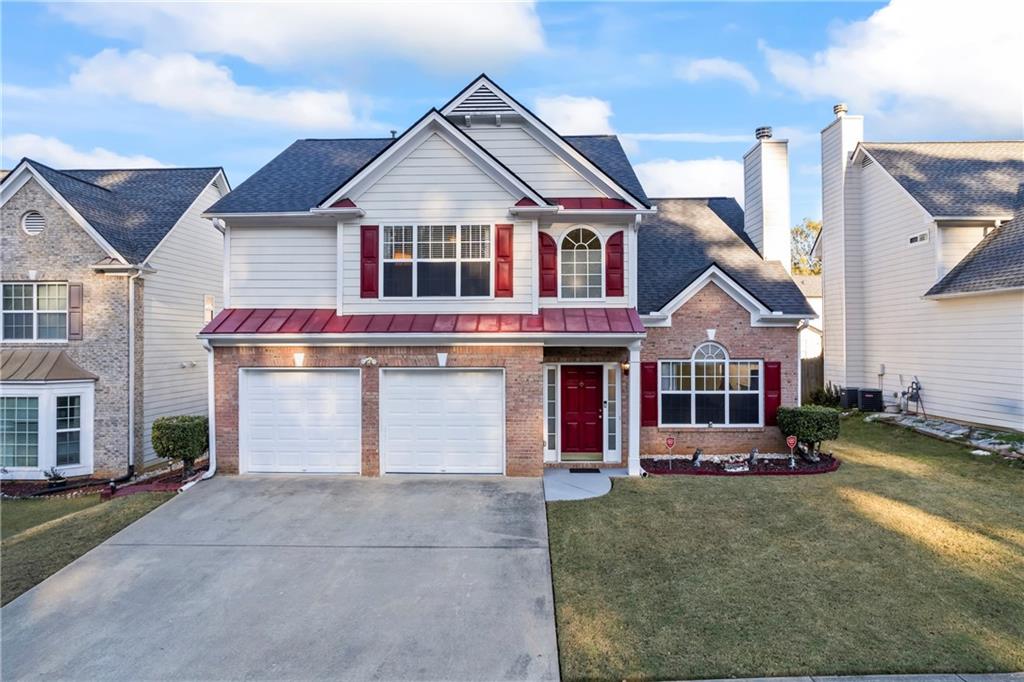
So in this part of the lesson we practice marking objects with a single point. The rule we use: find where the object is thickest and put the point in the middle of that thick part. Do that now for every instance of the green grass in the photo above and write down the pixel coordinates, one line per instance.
(22, 514)
(909, 558)
(40, 551)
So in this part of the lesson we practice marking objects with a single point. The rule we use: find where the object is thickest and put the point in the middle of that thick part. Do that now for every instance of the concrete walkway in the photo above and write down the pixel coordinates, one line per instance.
(949, 677)
(562, 484)
(301, 578)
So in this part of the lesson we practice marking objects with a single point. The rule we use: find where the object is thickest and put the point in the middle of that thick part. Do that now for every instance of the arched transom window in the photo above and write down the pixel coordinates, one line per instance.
(582, 274)
(710, 389)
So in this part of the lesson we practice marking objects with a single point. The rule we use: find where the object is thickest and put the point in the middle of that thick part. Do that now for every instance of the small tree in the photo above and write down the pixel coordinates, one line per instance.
(827, 396)
(185, 438)
(811, 424)
(803, 237)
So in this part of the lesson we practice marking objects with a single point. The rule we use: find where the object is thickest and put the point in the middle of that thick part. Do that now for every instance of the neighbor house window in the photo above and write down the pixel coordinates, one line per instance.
(581, 271)
(437, 261)
(19, 431)
(69, 430)
(35, 311)
(710, 388)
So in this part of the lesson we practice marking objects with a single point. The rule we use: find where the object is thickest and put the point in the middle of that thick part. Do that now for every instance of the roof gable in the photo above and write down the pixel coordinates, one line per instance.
(955, 179)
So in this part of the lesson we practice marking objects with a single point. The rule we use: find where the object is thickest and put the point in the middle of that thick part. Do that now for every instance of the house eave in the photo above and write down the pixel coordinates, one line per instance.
(965, 294)
(422, 339)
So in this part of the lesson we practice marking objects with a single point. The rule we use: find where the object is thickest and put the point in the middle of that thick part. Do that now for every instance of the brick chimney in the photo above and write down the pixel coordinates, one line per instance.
(766, 197)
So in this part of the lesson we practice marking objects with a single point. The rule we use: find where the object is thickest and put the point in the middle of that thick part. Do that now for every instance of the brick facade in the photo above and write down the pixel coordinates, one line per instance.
(712, 308)
(64, 252)
(523, 392)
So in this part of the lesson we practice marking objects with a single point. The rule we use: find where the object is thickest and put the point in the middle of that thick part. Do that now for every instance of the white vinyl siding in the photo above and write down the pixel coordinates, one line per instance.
(532, 161)
(888, 322)
(436, 184)
(283, 267)
(188, 268)
(955, 243)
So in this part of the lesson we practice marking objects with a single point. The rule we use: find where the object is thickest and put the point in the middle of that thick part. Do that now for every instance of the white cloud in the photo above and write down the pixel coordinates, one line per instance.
(714, 177)
(445, 35)
(182, 82)
(570, 115)
(54, 152)
(716, 68)
(914, 63)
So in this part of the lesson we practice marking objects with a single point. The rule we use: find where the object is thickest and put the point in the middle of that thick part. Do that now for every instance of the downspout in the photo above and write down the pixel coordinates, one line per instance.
(211, 408)
(131, 373)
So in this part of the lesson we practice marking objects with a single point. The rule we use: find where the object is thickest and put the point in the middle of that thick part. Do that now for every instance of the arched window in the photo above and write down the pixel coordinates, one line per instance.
(582, 271)
(710, 389)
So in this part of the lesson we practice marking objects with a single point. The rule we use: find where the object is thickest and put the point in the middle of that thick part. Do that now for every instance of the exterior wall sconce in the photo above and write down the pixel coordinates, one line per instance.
(368, 362)
(298, 359)
(625, 367)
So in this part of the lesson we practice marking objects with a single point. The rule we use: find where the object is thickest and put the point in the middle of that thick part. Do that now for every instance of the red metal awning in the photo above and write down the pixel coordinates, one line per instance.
(326, 321)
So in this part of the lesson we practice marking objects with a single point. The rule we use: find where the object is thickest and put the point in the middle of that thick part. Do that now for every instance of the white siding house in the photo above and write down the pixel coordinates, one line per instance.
(887, 245)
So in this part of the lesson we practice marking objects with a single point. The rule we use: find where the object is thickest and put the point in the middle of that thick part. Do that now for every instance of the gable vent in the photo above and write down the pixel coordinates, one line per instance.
(483, 100)
(33, 222)
(866, 161)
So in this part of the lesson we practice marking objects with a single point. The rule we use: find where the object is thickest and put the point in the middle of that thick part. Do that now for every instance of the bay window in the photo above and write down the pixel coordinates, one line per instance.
(710, 389)
(46, 426)
(35, 311)
(436, 261)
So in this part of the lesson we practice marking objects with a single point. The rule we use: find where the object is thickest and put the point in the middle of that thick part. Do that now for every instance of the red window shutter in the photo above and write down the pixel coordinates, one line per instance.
(547, 254)
(648, 394)
(614, 269)
(772, 391)
(503, 261)
(75, 300)
(368, 261)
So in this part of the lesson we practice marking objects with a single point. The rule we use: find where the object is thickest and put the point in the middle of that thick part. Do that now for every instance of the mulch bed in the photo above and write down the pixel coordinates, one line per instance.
(682, 466)
(164, 482)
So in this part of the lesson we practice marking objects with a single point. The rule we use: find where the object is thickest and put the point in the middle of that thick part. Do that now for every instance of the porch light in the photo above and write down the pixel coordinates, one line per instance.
(299, 358)
(625, 366)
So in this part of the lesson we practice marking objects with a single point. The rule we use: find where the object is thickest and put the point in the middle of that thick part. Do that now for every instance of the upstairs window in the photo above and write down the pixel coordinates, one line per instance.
(34, 311)
(436, 261)
(710, 388)
(581, 270)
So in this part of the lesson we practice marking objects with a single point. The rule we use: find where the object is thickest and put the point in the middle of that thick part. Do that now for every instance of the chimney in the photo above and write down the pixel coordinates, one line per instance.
(766, 196)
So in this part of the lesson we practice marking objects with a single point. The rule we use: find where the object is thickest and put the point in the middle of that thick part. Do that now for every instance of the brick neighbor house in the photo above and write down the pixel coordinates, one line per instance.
(106, 274)
(482, 294)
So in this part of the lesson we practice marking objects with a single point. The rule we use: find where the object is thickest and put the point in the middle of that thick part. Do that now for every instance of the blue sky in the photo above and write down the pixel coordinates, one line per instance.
(684, 84)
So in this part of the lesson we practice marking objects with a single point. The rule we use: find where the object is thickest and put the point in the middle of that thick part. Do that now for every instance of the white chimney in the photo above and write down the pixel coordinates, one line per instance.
(838, 140)
(766, 197)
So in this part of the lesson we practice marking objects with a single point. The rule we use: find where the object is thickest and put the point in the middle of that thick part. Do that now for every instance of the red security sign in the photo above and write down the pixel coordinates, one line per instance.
(791, 442)
(670, 441)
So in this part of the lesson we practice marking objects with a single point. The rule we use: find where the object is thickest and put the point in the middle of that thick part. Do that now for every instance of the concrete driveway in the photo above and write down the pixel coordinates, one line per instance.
(286, 577)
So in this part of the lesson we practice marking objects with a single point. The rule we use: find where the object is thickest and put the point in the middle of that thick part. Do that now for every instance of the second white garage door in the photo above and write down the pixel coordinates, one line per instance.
(442, 421)
(300, 421)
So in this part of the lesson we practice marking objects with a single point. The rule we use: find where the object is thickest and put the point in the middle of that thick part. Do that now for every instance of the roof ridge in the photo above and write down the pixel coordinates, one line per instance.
(865, 142)
(162, 168)
(344, 139)
(65, 174)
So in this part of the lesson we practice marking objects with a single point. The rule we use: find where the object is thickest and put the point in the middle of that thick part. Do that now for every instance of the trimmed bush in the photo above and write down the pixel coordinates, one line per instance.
(811, 424)
(185, 438)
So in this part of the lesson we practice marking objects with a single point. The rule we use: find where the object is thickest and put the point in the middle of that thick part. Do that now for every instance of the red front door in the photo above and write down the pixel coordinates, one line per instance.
(582, 408)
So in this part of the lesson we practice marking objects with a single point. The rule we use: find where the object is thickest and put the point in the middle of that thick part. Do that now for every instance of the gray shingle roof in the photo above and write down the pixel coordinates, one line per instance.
(687, 236)
(997, 262)
(308, 171)
(956, 178)
(133, 209)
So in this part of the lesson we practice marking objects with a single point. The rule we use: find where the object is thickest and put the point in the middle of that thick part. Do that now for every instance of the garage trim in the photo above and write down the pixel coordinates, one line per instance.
(243, 372)
(382, 451)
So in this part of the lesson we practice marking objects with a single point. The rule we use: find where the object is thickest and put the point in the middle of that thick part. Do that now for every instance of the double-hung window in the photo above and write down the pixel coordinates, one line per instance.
(437, 261)
(710, 389)
(35, 311)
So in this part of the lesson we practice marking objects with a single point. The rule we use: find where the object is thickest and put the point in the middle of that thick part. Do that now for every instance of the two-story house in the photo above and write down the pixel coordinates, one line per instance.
(923, 265)
(483, 295)
(106, 275)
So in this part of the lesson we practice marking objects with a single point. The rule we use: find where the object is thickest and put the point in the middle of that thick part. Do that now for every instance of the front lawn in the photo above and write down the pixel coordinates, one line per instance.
(17, 515)
(46, 546)
(909, 558)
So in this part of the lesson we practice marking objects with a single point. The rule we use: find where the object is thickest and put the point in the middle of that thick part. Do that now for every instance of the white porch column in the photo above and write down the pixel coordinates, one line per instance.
(634, 408)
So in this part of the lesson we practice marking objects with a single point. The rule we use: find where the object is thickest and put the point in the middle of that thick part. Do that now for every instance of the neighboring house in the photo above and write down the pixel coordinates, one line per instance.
(106, 276)
(924, 271)
(484, 295)
(811, 333)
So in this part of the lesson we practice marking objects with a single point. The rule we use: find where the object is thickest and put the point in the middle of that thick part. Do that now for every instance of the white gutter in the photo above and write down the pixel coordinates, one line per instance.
(211, 409)
(420, 339)
(340, 212)
(963, 294)
(581, 212)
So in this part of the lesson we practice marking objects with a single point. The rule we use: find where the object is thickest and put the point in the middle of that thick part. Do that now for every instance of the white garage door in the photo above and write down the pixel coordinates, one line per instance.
(302, 420)
(442, 421)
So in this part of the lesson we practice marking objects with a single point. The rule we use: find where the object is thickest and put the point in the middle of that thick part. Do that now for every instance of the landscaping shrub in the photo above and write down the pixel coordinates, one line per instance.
(184, 437)
(811, 424)
(827, 396)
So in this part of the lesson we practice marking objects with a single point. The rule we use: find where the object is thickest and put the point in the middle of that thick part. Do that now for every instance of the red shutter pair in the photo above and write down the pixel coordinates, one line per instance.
(614, 265)
(649, 392)
(369, 261)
